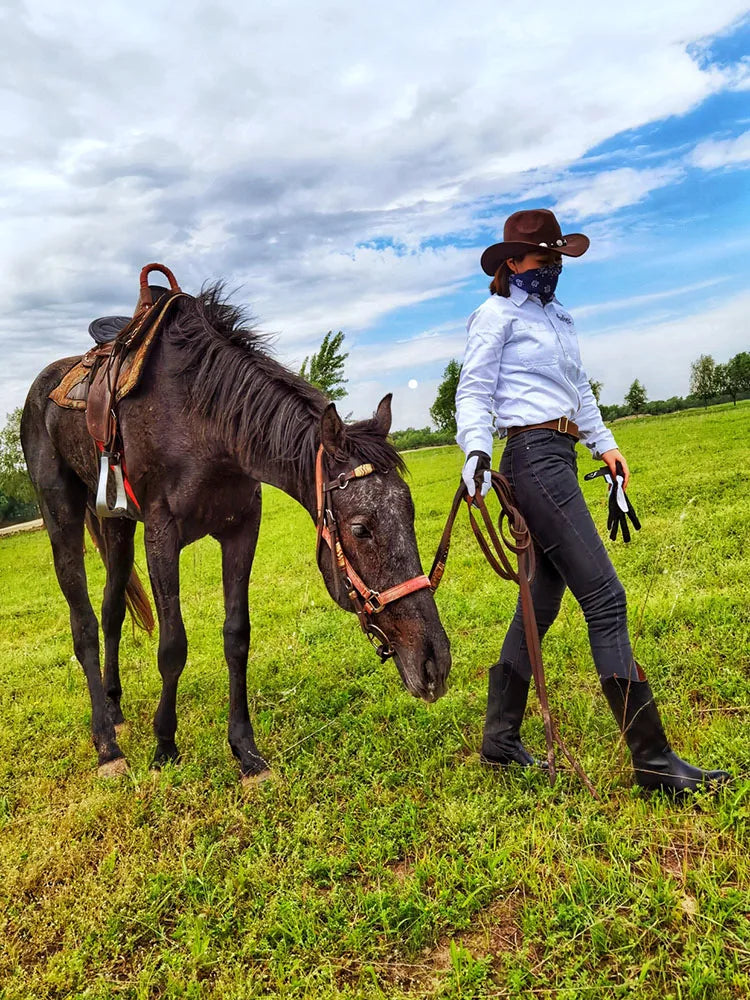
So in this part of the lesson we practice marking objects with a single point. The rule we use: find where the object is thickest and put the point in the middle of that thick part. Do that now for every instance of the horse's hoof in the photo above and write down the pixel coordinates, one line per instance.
(165, 755)
(253, 780)
(114, 768)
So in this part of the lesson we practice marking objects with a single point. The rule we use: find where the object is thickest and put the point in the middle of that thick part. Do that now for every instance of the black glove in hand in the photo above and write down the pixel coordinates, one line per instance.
(476, 473)
(620, 507)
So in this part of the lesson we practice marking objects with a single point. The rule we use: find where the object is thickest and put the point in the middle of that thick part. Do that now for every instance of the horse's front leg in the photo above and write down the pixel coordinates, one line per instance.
(163, 555)
(238, 550)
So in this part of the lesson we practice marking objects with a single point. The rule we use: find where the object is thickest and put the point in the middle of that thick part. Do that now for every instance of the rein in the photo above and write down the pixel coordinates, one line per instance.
(367, 603)
(521, 545)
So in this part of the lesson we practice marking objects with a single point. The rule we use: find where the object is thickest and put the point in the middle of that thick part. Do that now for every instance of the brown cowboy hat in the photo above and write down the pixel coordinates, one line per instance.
(532, 229)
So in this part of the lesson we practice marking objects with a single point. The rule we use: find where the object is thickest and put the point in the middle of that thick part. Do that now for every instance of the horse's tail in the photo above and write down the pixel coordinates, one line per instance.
(136, 597)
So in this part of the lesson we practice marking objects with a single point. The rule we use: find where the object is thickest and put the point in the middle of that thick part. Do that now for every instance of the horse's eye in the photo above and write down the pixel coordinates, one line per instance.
(360, 531)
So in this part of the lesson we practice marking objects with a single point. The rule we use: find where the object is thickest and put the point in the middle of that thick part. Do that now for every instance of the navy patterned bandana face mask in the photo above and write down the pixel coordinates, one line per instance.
(541, 281)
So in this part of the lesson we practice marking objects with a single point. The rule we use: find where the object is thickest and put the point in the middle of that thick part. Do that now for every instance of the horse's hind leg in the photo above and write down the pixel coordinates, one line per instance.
(163, 555)
(63, 503)
(237, 553)
(118, 533)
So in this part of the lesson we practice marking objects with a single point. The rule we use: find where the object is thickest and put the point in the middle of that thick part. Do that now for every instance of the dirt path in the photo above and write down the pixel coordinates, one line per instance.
(16, 529)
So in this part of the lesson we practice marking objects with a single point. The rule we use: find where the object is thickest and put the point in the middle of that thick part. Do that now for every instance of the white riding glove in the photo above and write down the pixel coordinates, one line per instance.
(476, 473)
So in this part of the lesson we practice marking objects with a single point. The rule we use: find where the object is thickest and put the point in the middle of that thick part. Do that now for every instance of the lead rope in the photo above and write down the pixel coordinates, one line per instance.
(522, 547)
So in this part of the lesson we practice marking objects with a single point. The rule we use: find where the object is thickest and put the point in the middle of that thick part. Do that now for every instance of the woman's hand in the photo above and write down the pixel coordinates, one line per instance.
(611, 458)
(476, 473)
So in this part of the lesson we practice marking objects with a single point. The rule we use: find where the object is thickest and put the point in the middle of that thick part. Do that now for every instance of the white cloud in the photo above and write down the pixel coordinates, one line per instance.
(415, 353)
(310, 153)
(633, 301)
(605, 193)
(716, 153)
(660, 353)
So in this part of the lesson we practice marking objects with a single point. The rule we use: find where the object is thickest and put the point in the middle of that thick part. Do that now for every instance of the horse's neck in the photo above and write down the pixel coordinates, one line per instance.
(284, 475)
(287, 478)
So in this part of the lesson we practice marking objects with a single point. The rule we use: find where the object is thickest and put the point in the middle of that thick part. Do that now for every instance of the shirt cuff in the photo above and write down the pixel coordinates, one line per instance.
(605, 442)
(478, 442)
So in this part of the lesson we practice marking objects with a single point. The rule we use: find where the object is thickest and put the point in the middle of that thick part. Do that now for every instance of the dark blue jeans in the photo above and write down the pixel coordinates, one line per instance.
(541, 467)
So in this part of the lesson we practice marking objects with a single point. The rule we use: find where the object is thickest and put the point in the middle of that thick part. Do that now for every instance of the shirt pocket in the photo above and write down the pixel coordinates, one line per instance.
(534, 346)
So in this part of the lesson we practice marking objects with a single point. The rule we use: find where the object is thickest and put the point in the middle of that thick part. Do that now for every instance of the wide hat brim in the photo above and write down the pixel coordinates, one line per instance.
(575, 245)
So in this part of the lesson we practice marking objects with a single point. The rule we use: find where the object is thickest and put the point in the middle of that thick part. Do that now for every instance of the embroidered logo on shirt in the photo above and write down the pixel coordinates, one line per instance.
(564, 318)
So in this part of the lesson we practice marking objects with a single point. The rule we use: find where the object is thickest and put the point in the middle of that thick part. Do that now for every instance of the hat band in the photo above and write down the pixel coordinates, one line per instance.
(556, 243)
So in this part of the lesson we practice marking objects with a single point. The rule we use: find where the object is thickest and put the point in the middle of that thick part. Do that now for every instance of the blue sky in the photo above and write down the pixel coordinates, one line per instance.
(342, 174)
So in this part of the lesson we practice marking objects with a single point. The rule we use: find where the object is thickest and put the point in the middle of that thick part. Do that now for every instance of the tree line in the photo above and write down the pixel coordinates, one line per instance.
(709, 382)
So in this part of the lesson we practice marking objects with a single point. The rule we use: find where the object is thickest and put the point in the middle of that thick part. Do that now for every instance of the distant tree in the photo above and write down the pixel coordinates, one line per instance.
(734, 377)
(722, 381)
(326, 367)
(17, 497)
(742, 363)
(14, 478)
(703, 378)
(596, 388)
(613, 411)
(443, 410)
(635, 398)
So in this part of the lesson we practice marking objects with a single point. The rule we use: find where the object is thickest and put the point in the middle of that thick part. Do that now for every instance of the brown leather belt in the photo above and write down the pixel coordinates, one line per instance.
(563, 425)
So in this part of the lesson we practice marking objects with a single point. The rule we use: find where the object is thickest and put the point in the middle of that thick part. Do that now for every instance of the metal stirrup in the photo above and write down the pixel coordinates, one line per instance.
(121, 500)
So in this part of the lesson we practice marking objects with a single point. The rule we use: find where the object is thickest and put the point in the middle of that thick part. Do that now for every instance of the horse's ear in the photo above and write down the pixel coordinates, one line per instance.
(332, 431)
(383, 414)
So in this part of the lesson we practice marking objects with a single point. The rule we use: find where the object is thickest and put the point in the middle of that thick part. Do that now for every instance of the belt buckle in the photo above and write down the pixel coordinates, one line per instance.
(563, 430)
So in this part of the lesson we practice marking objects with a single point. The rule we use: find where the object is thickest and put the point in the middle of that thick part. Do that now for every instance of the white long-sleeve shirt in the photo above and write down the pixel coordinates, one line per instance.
(522, 366)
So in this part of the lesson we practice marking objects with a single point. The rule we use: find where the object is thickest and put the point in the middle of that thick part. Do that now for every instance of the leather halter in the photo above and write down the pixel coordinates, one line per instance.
(367, 602)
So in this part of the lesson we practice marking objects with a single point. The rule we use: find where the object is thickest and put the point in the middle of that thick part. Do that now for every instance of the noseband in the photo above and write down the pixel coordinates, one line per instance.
(367, 603)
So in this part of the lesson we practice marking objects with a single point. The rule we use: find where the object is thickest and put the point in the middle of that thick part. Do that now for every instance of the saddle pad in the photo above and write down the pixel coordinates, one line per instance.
(106, 328)
(73, 389)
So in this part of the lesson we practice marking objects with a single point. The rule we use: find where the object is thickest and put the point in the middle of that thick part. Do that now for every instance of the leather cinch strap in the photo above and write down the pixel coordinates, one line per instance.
(494, 547)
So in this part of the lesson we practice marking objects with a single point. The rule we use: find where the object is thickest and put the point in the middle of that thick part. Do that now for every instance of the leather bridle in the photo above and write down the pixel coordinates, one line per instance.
(367, 603)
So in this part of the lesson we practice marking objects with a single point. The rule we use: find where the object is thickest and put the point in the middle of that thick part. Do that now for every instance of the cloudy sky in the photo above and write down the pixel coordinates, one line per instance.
(342, 166)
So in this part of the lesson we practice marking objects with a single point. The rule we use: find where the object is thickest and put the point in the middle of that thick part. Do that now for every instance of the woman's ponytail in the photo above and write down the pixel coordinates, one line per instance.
(500, 284)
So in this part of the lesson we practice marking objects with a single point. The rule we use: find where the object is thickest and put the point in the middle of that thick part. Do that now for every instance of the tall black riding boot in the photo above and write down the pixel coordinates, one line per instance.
(654, 762)
(506, 703)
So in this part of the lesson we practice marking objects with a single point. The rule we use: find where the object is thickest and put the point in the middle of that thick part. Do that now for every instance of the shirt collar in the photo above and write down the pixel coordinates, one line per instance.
(519, 295)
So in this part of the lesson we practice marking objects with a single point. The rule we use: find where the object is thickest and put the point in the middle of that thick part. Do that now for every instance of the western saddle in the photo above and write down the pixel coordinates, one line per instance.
(109, 372)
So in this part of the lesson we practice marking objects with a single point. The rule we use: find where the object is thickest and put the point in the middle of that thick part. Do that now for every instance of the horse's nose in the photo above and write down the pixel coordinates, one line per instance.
(434, 682)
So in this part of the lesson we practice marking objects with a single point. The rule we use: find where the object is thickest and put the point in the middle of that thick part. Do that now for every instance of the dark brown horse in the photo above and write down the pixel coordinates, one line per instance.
(213, 417)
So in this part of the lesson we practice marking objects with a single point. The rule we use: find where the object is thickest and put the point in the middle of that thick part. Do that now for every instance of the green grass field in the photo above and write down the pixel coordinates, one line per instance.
(382, 860)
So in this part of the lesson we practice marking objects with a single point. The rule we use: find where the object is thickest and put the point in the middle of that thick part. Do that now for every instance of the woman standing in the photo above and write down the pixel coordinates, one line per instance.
(522, 366)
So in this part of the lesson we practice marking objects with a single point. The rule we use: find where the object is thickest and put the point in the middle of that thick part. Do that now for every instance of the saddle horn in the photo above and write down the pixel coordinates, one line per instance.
(145, 297)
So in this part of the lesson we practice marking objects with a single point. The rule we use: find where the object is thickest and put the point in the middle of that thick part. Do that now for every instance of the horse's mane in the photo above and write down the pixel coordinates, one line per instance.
(257, 405)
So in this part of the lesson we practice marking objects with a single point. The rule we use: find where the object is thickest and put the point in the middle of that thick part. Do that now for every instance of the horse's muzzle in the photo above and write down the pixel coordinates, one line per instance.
(425, 671)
